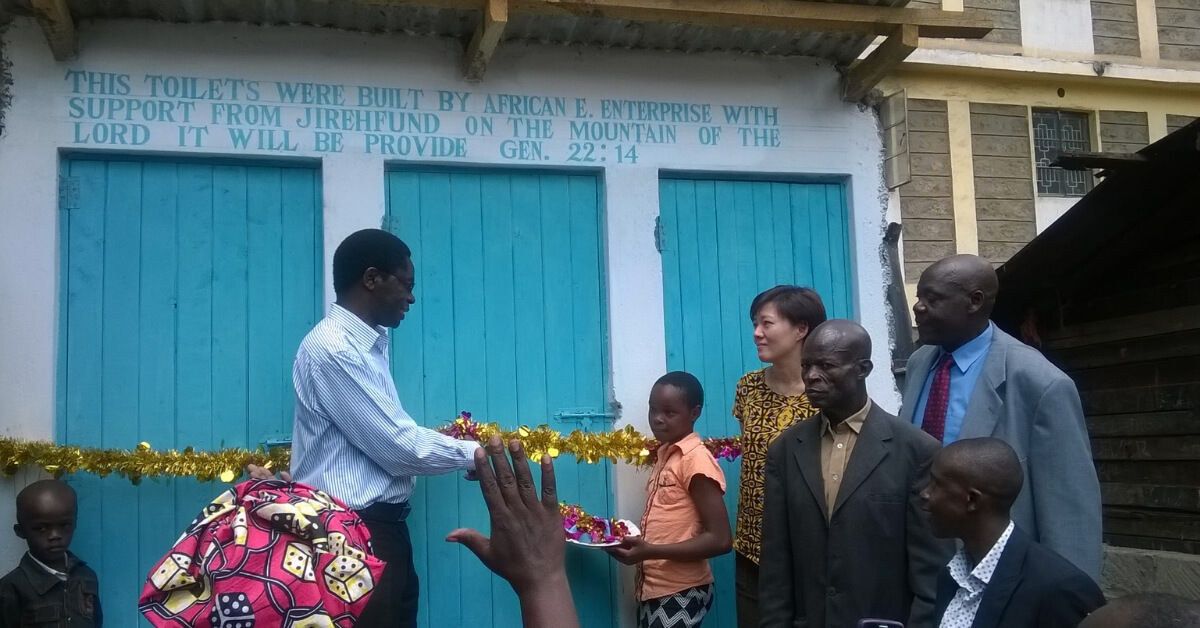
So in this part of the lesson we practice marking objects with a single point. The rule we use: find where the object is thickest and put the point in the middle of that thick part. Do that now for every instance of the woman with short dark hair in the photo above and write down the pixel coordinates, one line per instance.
(768, 401)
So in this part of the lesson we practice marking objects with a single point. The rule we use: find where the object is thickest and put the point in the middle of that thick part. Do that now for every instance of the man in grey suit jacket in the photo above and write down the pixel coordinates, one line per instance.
(1000, 387)
(844, 534)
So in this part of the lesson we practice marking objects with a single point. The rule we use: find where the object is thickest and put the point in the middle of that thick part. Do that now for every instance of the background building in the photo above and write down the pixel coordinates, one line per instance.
(985, 118)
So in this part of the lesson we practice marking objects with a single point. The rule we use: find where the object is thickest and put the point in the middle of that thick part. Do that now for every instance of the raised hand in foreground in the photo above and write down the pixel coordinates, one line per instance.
(527, 547)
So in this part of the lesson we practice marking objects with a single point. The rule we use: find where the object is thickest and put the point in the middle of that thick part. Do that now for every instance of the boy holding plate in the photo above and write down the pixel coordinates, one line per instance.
(685, 522)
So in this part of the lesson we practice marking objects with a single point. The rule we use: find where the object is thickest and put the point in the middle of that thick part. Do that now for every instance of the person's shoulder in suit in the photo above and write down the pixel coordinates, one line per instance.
(1061, 592)
(808, 428)
(1026, 365)
(918, 441)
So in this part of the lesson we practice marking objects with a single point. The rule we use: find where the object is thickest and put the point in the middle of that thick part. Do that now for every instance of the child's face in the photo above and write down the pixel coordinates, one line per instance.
(671, 416)
(48, 525)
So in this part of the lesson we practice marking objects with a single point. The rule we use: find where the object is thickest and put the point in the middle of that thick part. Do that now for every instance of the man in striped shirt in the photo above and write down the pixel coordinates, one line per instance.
(351, 437)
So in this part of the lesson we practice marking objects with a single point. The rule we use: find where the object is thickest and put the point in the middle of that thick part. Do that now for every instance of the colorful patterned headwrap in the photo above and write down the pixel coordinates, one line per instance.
(265, 553)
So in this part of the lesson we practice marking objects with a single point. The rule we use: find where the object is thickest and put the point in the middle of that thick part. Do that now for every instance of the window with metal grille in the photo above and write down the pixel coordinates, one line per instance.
(1054, 132)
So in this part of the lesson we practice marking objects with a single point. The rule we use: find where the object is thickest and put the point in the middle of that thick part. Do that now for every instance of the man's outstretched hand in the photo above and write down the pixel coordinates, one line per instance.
(527, 547)
(262, 473)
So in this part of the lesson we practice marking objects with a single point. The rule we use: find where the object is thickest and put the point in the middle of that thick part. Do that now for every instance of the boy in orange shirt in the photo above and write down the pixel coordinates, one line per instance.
(685, 522)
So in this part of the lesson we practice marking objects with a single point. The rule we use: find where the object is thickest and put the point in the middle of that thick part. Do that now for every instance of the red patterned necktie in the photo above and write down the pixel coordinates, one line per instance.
(939, 399)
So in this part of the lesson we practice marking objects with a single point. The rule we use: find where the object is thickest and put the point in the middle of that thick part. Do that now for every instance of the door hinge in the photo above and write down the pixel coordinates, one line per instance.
(658, 234)
(68, 192)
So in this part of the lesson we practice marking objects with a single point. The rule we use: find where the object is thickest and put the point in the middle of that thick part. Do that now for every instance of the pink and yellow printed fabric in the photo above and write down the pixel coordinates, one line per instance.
(266, 553)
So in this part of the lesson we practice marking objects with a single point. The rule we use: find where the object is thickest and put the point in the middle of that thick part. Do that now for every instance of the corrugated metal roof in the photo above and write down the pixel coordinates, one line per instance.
(441, 22)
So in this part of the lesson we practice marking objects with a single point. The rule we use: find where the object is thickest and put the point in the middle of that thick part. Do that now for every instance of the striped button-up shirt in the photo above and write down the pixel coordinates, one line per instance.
(351, 437)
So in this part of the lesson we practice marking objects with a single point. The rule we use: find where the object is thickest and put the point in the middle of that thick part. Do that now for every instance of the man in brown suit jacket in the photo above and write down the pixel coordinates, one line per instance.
(844, 534)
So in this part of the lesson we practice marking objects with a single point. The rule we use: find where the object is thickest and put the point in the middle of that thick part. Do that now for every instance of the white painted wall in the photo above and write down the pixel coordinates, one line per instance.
(1056, 26)
(818, 135)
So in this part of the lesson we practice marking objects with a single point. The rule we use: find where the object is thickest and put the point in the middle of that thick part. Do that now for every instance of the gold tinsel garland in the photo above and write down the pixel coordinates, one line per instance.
(143, 461)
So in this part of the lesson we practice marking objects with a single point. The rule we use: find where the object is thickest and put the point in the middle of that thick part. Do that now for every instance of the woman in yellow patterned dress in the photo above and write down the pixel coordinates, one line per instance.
(768, 401)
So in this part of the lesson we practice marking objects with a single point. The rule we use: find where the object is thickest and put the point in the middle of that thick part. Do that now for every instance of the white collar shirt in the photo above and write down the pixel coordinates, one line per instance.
(971, 582)
(351, 437)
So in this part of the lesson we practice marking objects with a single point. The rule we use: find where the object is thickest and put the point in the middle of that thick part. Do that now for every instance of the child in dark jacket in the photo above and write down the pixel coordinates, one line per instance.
(50, 587)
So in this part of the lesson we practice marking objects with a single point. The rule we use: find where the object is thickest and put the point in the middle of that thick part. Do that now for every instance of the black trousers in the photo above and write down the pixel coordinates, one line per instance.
(745, 584)
(394, 602)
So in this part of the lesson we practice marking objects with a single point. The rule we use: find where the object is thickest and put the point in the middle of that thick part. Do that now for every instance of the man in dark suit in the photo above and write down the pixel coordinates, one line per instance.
(844, 537)
(972, 379)
(1000, 578)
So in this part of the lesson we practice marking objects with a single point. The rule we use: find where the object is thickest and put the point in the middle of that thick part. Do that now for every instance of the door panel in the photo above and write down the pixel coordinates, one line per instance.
(509, 325)
(722, 243)
(186, 289)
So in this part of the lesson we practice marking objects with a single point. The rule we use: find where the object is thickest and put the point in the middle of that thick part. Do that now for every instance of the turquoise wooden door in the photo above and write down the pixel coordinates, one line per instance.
(722, 243)
(509, 324)
(186, 288)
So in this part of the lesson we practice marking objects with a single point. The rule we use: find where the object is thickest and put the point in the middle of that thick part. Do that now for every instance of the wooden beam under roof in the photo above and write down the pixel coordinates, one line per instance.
(485, 40)
(787, 15)
(55, 19)
(863, 76)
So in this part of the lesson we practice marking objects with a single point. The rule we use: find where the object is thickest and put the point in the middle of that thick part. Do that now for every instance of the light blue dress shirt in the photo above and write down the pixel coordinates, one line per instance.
(968, 364)
(351, 437)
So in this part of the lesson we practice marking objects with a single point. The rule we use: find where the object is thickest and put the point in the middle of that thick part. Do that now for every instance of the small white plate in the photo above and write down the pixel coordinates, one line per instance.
(631, 526)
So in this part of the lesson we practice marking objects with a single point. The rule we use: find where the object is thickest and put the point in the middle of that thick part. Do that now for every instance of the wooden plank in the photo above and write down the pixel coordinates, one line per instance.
(864, 75)
(733, 309)
(470, 374)
(822, 245)
(54, 17)
(1164, 525)
(781, 218)
(839, 250)
(1154, 472)
(82, 346)
(403, 189)
(764, 236)
(1147, 448)
(302, 274)
(1180, 498)
(440, 403)
(230, 304)
(156, 356)
(1152, 543)
(487, 36)
(1131, 352)
(1145, 399)
(788, 15)
(1124, 328)
(264, 345)
(1185, 370)
(119, 387)
(499, 340)
(194, 412)
(1139, 424)
(668, 243)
